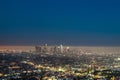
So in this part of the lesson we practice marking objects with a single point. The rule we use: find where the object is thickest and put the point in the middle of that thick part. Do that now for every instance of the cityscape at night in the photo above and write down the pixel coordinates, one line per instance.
(59, 39)
(59, 63)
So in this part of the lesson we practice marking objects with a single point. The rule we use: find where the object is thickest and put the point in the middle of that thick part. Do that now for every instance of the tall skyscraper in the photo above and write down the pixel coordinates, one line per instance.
(55, 49)
(38, 49)
(61, 48)
(45, 48)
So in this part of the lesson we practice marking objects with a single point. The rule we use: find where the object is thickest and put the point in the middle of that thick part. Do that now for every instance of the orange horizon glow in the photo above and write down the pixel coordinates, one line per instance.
(4, 47)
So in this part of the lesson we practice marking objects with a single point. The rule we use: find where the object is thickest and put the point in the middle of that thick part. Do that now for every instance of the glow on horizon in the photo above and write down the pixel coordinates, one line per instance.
(16, 47)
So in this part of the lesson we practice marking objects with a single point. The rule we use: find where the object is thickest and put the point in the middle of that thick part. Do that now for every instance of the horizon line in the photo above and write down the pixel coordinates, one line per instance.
(67, 45)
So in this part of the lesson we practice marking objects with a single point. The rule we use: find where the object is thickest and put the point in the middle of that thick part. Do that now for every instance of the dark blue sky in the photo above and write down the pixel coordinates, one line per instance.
(70, 22)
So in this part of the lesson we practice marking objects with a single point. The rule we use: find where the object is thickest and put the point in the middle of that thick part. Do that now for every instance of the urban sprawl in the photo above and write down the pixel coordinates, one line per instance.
(60, 63)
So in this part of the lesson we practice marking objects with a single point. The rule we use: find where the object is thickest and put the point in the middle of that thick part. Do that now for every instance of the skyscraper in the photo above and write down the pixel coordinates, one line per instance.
(61, 48)
(38, 49)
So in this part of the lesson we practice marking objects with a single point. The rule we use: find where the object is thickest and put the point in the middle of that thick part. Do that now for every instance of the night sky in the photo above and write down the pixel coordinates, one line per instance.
(67, 22)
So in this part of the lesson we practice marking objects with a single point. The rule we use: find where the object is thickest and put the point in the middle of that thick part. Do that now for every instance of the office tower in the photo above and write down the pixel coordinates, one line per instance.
(67, 49)
(61, 48)
(55, 49)
(38, 49)
(45, 49)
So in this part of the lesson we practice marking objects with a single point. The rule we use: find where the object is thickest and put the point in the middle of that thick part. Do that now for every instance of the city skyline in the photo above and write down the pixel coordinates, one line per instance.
(76, 23)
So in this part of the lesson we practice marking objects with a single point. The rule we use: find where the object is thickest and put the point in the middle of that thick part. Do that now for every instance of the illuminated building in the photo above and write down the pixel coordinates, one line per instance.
(61, 48)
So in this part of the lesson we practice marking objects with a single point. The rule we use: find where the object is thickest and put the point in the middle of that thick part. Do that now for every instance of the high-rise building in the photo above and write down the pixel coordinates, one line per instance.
(38, 49)
(61, 48)
(55, 49)
(45, 49)
(67, 49)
